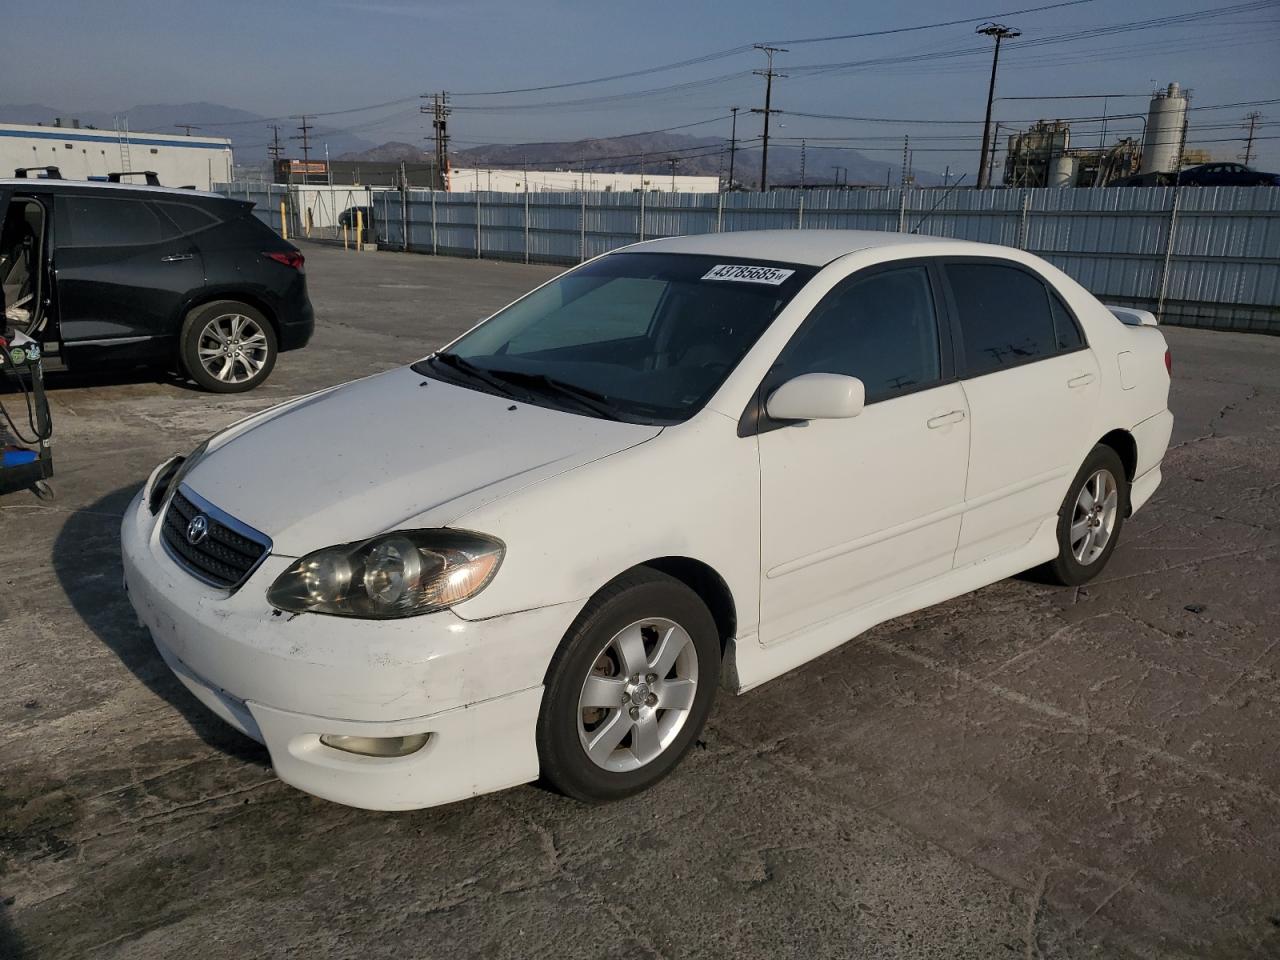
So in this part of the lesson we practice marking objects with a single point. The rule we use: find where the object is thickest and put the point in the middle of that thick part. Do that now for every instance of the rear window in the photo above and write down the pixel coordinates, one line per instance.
(106, 222)
(1004, 313)
(187, 217)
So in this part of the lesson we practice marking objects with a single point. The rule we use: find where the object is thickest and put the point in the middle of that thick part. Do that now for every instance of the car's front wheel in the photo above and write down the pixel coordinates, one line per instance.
(227, 346)
(1090, 519)
(629, 688)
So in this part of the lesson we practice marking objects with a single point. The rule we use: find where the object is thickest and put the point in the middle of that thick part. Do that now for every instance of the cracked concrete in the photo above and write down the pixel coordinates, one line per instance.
(1022, 771)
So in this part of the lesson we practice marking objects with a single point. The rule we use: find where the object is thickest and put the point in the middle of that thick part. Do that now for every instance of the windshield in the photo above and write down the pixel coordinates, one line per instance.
(642, 337)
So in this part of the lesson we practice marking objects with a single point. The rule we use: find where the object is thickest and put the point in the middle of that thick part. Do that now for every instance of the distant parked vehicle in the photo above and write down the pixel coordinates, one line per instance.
(121, 273)
(1145, 180)
(1227, 175)
(347, 218)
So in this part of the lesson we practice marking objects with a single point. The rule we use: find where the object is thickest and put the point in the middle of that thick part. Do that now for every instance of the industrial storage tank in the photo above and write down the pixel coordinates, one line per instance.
(1062, 172)
(1166, 126)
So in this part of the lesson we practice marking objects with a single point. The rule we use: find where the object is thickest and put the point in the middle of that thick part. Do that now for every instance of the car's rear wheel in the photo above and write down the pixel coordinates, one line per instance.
(629, 689)
(227, 346)
(1090, 519)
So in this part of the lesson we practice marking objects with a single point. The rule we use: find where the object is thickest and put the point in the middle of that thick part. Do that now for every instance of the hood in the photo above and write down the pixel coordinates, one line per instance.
(371, 455)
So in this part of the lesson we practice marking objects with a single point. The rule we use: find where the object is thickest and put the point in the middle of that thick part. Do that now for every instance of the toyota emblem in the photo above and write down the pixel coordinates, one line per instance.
(197, 529)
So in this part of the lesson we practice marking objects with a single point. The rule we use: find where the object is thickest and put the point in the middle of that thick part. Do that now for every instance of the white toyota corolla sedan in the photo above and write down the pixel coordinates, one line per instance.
(691, 463)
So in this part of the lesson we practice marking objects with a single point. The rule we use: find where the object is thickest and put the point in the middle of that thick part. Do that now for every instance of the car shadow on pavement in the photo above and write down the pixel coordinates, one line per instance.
(86, 560)
(12, 946)
(117, 376)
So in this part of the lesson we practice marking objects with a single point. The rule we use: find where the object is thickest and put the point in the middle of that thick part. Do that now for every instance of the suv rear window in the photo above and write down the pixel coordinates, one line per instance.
(106, 222)
(186, 216)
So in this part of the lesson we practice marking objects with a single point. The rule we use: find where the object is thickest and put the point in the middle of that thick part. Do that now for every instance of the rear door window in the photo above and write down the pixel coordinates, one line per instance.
(107, 222)
(1064, 325)
(1004, 315)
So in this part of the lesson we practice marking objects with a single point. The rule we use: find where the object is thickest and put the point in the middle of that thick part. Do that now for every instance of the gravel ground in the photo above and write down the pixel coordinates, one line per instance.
(1024, 771)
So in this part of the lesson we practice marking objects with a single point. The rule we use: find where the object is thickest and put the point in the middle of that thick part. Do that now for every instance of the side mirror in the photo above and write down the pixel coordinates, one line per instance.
(817, 396)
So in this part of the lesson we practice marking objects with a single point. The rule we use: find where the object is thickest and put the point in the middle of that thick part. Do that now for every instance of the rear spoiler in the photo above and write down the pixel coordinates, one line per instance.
(1131, 317)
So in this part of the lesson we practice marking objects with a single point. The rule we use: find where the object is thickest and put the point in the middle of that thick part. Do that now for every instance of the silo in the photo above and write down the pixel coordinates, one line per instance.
(1062, 171)
(1166, 122)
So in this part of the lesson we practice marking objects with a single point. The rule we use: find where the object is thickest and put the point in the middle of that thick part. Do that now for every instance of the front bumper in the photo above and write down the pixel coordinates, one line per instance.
(476, 687)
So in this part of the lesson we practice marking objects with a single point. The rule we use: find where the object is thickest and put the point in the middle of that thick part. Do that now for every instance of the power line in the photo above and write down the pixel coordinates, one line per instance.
(745, 47)
(930, 26)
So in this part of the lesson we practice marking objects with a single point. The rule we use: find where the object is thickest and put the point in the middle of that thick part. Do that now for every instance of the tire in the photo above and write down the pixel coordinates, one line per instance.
(1081, 558)
(214, 326)
(642, 607)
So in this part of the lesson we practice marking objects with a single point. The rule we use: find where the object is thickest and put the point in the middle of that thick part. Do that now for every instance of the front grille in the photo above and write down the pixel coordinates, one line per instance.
(226, 556)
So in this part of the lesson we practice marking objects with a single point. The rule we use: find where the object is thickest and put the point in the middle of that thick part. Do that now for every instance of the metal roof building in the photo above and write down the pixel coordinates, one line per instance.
(84, 153)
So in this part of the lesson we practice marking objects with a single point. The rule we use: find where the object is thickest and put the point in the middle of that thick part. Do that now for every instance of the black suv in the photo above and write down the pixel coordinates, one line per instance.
(108, 274)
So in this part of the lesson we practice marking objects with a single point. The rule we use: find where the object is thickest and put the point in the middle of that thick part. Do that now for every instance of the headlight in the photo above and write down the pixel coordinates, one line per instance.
(399, 574)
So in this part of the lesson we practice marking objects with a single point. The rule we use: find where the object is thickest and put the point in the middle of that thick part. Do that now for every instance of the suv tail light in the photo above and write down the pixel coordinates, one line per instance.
(290, 258)
(1168, 362)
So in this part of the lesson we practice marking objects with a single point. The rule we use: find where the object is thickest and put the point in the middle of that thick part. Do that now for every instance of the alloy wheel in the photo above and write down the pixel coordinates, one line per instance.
(233, 348)
(638, 695)
(1094, 518)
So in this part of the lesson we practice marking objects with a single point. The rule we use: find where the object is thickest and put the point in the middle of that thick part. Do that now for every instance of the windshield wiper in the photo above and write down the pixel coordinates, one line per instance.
(592, 400)
(465, 366)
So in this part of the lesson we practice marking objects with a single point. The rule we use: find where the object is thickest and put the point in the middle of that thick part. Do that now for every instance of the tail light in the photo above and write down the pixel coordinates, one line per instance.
(1168, 362)
(290, 258)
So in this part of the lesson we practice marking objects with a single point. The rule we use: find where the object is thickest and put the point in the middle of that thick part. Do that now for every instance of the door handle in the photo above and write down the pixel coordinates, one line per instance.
(1083, 380)
(177, 257)
(942, 419)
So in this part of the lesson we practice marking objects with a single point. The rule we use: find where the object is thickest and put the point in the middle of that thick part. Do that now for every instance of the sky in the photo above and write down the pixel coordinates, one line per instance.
(285, 58)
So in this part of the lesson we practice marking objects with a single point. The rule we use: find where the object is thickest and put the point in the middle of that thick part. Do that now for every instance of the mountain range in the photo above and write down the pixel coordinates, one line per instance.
(250, 132)
(652, 152)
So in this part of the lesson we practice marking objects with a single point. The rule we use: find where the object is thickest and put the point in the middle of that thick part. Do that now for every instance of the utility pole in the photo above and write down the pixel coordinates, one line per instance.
(673, 161)
(274, 150)
(1000, 32)
(995, 145)
(906, 147)
(1252, 119)
(802, 146)
(186, 128)
(733, 143)
(440, 111)
(768, 75)
(305, 137)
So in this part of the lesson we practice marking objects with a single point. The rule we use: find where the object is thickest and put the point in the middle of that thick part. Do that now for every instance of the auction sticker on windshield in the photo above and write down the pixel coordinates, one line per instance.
(745, 273)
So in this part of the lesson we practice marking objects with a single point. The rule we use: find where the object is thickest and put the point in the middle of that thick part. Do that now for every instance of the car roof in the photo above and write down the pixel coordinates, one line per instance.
(53, 183)
(813, 247)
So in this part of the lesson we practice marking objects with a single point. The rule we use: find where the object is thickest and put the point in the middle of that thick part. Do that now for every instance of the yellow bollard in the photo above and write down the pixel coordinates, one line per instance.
(344, 238)
(284, 222)
(359, 229)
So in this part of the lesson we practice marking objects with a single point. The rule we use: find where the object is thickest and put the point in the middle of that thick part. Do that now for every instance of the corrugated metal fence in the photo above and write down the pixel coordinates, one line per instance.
(1206, 257)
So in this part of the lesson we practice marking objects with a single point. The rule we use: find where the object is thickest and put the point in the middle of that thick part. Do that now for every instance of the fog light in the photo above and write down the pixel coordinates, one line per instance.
(377, 746)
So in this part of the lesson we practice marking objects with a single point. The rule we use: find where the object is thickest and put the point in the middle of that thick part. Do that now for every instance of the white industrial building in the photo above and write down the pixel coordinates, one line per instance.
(82, 153)
(468, 179)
